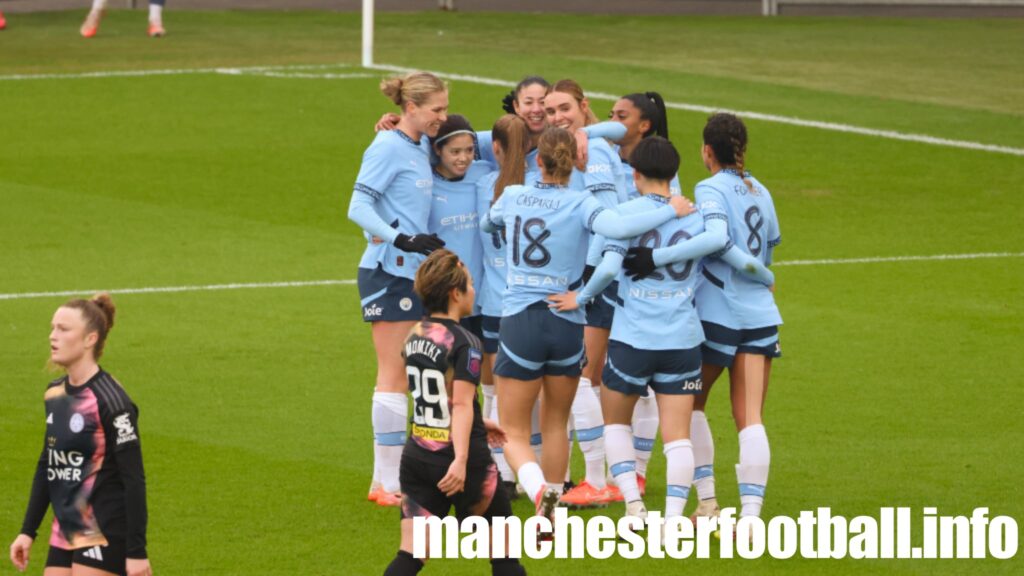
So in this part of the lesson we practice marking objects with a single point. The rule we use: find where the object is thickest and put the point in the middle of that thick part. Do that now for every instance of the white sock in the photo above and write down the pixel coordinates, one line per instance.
(645, 428)
(556, 486)
(156, 12)
(568, 463)
(535, 436)
(703, 456)
(679, 476)
(390, 415)
(622, 459)
(589, 424)
(752, 471)
(488, 390)
(498, 454)
(376, 464)
(98, 5)
(532, 478)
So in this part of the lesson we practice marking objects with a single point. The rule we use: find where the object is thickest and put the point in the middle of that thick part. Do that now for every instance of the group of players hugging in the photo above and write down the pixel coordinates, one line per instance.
(553, 263)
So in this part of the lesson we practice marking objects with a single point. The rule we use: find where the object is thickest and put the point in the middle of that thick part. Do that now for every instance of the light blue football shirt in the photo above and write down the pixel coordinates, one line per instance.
(547, 228)
(396, 174)
(656, 312)
(726, 296)
(454, 217)
(492, 286)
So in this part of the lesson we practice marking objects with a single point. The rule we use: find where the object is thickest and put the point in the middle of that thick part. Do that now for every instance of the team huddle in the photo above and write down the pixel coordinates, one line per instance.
(553, 263)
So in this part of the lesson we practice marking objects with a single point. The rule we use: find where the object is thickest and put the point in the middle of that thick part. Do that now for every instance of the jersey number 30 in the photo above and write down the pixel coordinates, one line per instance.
(430, 399)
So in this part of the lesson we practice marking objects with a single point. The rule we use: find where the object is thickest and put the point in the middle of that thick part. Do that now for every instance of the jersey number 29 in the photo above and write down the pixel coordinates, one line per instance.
(430, 399)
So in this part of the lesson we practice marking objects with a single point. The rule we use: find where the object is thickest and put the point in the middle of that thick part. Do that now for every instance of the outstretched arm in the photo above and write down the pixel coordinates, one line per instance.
(609, 129)
(611, 224)
(748, 265)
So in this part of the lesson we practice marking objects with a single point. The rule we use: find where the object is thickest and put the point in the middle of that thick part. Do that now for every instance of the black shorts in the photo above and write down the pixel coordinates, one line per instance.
(387, 298)
(721, 343)
(109, 558)
(481, 495)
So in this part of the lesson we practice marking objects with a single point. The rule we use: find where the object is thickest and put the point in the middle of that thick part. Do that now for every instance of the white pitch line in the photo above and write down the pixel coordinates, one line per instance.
(169, 289)
(306, 284)
(790, 120)
(231, 70)
(879, 259)
(746, 114)
(310, 75)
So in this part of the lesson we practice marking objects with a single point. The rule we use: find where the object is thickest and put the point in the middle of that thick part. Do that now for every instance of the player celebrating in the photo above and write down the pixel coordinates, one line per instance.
(643, 115)
(510, 146)
(547, 226)
(668, 360)
(90, 469)
(446, 461)
(391, 201)
(92, 21)
(739, 314)
(566, 107)
(453, 212)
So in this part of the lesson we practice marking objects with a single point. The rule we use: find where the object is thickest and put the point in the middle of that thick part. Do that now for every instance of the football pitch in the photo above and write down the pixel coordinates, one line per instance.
(900, 276)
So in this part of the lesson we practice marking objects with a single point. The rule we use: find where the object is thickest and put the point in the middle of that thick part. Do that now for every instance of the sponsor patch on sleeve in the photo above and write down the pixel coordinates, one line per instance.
(125, 430)
(475, 361)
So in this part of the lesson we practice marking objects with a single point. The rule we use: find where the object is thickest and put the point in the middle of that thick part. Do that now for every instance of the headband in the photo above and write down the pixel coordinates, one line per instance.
(455, 133)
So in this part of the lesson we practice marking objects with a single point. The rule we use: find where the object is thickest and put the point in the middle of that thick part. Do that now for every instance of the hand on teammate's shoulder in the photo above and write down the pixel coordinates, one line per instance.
(682, 206)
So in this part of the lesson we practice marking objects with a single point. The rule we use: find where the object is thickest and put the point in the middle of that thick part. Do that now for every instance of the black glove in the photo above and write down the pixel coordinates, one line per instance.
(639, 262)
(422, 243)
(588, 271)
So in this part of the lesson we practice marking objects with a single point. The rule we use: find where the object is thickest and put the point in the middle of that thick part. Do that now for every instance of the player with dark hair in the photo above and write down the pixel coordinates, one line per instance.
(665, 359)
(446, 461)
(738, 313)
(90, 469)
(644, 115)
(453, 211)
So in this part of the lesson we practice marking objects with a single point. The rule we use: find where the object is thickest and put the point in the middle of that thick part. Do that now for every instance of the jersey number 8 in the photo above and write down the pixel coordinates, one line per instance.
(430, 399)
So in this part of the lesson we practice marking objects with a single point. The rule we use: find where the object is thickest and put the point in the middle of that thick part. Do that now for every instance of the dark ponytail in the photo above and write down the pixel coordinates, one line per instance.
(727, 136)
(652, 108)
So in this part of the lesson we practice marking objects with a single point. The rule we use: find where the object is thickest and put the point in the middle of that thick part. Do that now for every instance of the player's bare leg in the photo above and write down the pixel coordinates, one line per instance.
(749, 385)
(390, 410)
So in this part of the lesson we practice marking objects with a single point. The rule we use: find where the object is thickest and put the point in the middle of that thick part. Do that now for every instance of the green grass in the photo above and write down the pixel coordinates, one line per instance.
(900, 381)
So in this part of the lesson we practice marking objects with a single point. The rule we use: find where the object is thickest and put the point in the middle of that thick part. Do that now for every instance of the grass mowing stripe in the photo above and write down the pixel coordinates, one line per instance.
(350, 282)
(803, 122)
